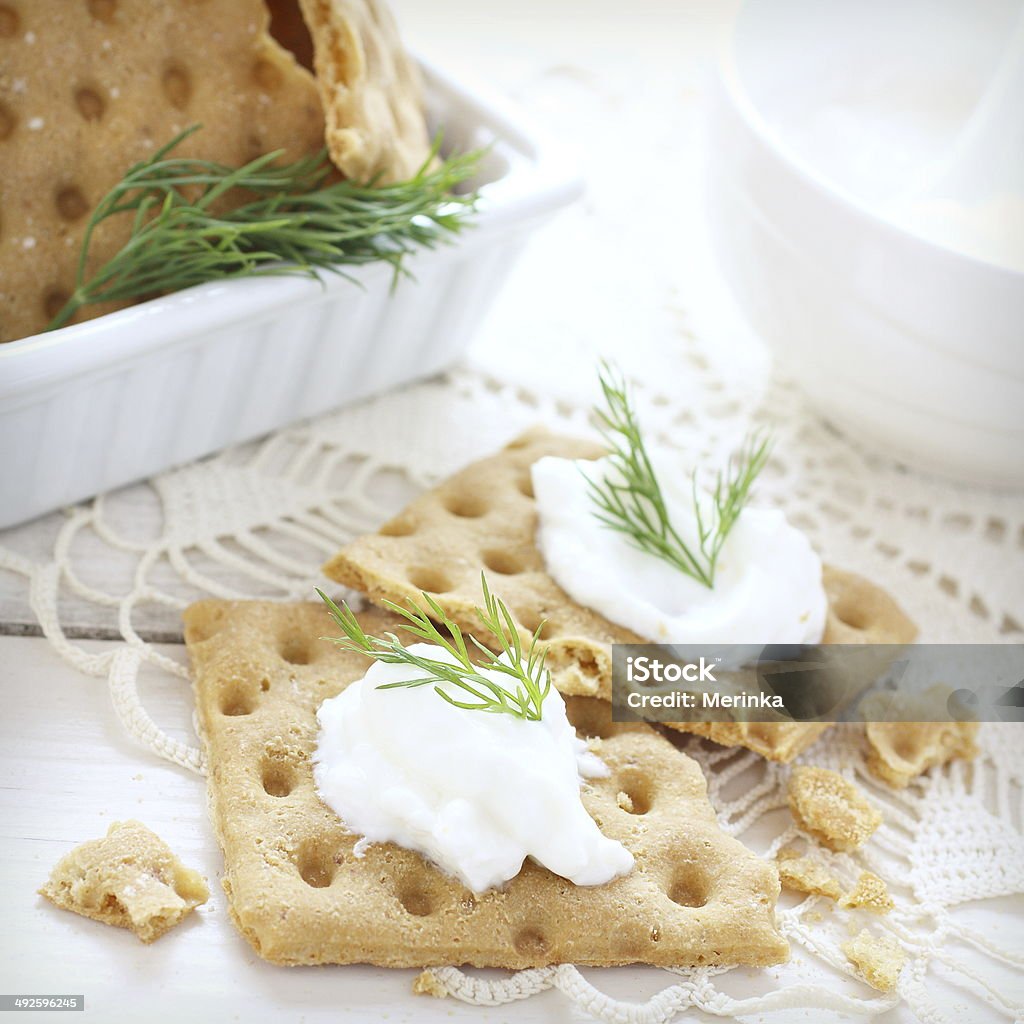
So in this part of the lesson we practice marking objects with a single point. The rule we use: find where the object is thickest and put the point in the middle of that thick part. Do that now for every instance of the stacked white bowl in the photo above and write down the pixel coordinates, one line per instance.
(824, 116)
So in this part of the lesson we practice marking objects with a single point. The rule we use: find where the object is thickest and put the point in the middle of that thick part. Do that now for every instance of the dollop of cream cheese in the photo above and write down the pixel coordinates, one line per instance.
(474, 792)
(768, 587)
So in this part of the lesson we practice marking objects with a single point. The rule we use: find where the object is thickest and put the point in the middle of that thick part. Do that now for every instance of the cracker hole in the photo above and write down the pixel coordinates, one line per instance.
(71, 204)
(278, 778)
(295, 651)
(402, 526)
(9, 21)
(102, 10)
(688, 889)
(316, 865)
(89, 102)
(7, 121)
(466, 506)
(525, 484)
(590, 717)
(266, 75)
(850, 615)
(532, 621)
(432, 581)
(54, 300)
(236, 704)
(416, 901)
(505, 563)
(177, 86)
(995, 530)
(530, 942)
(264, 685)
(638, 788)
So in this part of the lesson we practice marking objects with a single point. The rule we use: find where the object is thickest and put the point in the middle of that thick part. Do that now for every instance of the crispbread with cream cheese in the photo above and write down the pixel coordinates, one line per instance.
(300, 894)
(484, 518)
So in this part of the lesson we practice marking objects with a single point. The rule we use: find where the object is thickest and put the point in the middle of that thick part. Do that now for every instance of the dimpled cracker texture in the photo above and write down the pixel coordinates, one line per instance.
(370, 88)
(484, 518)
(299, 894)
(90, 87)
(130, 879)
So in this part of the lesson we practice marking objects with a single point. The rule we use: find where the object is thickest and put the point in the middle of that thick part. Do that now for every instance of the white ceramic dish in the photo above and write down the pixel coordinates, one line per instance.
(96, 405)
(912, 347)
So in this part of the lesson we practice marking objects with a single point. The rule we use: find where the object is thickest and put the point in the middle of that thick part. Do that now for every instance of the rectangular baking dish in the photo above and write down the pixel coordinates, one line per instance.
(96, 405)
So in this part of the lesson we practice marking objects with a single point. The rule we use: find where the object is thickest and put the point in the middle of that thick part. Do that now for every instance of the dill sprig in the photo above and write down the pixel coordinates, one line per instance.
(633, 504)
(292, 221)
(525, 669)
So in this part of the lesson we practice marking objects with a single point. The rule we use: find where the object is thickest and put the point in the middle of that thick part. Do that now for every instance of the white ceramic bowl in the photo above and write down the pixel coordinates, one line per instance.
(912, 347)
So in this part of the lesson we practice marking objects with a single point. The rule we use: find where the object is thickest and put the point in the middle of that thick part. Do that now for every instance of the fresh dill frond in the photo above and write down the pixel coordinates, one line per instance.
(630, 501)
(529, 680)
(287, 219)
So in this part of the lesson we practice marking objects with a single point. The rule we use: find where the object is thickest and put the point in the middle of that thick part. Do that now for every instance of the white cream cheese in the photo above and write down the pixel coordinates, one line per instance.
(475, 792)
(768, 586)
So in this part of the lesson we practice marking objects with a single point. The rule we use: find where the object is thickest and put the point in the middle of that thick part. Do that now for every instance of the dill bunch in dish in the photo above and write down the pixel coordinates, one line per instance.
(282, 219)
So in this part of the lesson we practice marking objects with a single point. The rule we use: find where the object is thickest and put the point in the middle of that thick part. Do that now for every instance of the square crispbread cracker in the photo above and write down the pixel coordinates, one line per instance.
(129, 879)
(484, 517)
(300, 895)
(90, 87)
(370, 88)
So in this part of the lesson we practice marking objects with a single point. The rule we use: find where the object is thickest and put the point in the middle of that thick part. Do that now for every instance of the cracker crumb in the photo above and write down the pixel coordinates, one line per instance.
(425, 984)
(803, 874)
(877, 959)
(28, 243)
(30, 38)
(831, 809)
(870, 893)
(625, 801)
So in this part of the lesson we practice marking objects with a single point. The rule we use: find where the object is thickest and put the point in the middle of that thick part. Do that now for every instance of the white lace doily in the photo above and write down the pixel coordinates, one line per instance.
(624, 275)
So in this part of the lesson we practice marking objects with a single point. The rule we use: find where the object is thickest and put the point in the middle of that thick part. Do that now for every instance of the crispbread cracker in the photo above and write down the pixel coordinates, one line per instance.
(370, 88)
(89, 88)
(129, 879)
(300, 895)
(831, 809)
(484, 517)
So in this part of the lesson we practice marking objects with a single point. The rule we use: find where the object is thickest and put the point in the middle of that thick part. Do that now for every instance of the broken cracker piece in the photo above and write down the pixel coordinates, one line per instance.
(831, 808)
(804, 874)
(370, 89)
(425, 984)
(878, 959)
(300, 894)
(870, 893)
(129, 879)
(485, 517)
(900, 751)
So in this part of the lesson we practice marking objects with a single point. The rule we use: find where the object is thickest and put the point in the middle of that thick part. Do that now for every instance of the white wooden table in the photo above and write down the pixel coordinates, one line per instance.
(67, 767)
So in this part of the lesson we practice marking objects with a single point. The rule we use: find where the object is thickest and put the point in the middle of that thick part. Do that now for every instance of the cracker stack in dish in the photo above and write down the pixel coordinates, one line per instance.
(484, 517)
(300, 894)
(90, 87)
